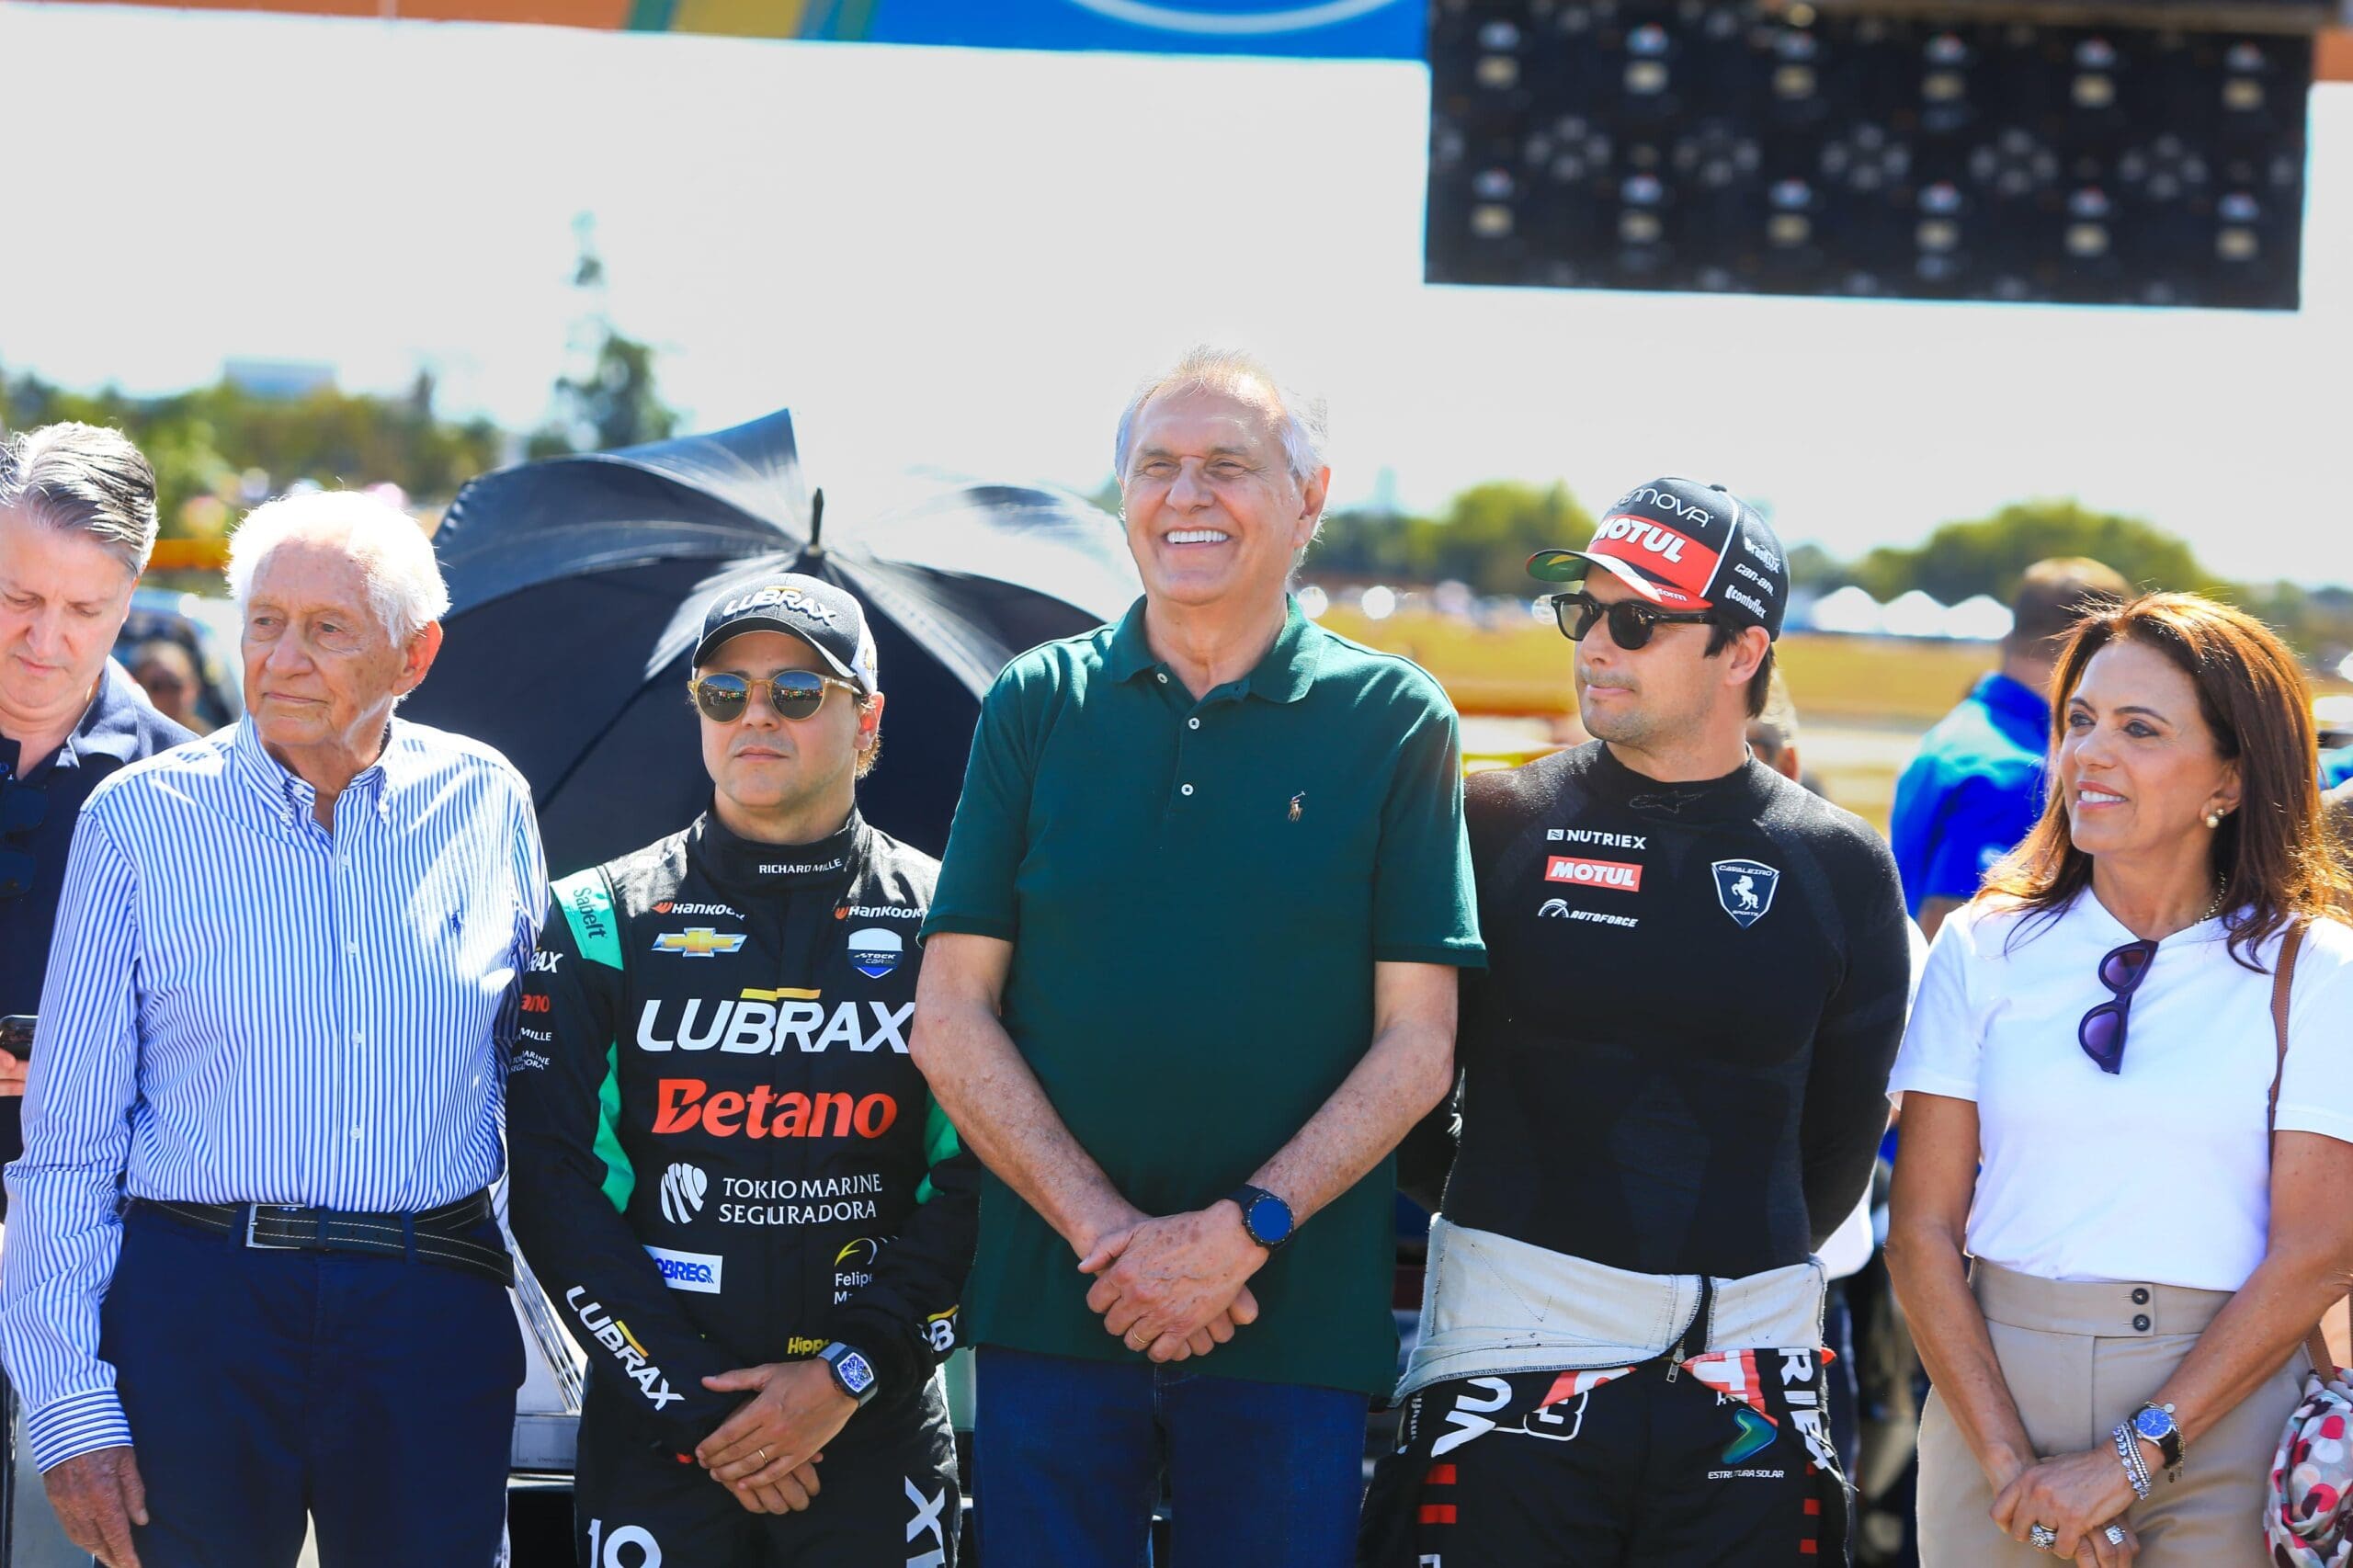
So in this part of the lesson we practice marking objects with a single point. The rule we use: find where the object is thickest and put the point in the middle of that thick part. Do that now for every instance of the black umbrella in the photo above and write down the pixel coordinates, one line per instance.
(577, 588)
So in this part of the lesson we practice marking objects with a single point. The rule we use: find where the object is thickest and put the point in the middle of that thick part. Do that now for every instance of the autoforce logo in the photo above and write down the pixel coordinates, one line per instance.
(762, 1023)
(686, 1105)
(701, 1272)
(634, 1360)
(1621, 876)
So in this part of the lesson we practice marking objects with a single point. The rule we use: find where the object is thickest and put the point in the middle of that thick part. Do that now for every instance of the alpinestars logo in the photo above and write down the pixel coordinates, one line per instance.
(683, 1187)
(636, 1363)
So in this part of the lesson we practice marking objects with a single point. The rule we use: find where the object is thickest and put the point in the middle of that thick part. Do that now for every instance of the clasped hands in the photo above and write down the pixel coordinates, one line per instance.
(2078, 1497)
(766, 1453)
(1174, 1287)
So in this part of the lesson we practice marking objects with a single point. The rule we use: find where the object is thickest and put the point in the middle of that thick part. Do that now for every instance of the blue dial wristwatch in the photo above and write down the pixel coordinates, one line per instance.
(2156, 1422)
(1266, 1218)
(851, 1374)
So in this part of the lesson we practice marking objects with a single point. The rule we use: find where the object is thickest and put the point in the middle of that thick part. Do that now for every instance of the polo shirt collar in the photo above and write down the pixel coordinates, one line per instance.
(1284, 674)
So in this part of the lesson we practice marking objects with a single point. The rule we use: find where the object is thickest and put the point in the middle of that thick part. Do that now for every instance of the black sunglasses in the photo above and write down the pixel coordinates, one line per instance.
(22, 809)
(2102, 1034)
(1631, 621)
(794, 694)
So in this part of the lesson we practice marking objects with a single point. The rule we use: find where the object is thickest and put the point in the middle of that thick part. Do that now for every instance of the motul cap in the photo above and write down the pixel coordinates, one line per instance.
(1684, 545)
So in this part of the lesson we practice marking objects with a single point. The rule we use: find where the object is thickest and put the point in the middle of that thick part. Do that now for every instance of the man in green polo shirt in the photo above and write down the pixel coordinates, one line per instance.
(1190, 976)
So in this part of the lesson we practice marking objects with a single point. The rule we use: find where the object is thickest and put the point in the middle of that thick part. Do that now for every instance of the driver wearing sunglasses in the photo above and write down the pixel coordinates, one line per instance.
(1672, 1090)
(720, 1140)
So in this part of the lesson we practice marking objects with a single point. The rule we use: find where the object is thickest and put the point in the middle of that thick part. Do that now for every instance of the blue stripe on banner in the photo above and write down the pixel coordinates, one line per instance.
(243, 1007)
(1336, 29)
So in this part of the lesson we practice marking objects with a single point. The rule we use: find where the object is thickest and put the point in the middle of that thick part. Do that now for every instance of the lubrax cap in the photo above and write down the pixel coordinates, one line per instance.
(1684, 545)
(811, 608)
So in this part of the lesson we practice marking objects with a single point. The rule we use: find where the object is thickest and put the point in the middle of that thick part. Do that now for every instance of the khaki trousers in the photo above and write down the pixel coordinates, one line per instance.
(2079, 1358)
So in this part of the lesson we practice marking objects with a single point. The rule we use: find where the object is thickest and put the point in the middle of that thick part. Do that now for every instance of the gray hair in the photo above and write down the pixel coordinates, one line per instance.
(1207, 369)
(83, 479)
(404, 584)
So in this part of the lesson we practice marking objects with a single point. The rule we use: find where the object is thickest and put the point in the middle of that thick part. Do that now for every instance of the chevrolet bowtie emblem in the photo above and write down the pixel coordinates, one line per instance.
(698, 942)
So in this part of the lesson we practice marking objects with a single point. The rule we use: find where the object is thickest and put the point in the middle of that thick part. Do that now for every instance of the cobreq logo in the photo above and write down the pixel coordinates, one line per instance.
(698, 942)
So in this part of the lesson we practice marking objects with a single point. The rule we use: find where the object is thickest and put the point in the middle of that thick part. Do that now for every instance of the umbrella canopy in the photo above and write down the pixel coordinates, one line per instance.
(577, 588)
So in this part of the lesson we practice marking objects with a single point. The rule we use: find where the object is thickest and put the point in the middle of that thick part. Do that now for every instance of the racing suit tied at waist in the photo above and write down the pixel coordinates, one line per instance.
(1493, 1305)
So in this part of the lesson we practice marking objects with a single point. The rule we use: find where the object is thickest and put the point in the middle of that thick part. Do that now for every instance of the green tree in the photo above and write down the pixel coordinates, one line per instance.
(1987, 555)
(1484, 538)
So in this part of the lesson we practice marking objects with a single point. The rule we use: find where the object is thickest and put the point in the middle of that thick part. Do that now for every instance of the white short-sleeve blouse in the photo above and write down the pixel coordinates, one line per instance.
(2160, 1172)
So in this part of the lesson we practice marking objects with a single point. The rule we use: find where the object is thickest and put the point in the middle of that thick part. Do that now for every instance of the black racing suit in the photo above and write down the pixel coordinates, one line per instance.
(1675, 1063)
(723, 1156)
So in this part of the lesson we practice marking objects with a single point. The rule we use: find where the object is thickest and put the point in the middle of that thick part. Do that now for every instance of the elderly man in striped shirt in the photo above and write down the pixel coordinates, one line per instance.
(252, 1271)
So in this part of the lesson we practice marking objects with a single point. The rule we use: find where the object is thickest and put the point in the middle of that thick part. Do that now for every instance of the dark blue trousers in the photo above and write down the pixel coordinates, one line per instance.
(1071, 1454)
(374, 1395)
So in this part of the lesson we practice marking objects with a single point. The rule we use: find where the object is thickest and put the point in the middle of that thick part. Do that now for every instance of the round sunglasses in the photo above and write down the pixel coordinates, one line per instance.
(794, 694)
(1632, 622)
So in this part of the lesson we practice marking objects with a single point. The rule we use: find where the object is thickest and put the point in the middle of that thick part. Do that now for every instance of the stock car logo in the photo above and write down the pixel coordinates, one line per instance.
(874, 952)
(683, 1187)
(1745, 889)
(698, 942)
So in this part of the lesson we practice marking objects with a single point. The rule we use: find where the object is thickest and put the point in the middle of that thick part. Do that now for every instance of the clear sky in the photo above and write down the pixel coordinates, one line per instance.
(966, 258)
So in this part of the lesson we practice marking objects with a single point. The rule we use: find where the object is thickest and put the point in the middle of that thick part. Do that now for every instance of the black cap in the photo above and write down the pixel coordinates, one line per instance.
(1685, 545)
(811, 608)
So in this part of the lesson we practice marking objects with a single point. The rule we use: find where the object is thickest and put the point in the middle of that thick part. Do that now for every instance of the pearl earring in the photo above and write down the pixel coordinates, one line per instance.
(2214, 819)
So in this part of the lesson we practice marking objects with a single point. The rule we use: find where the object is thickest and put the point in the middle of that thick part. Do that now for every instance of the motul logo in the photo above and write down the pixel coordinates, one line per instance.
(1662, 542)
(686, 1105)
(1621, 875)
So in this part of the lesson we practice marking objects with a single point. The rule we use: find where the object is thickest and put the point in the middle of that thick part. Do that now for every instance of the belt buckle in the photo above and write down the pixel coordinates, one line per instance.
(252, 1217)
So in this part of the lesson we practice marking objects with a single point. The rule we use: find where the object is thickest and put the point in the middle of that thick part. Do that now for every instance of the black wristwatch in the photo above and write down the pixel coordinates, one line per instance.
(852, 1375)
(1265, 1218)
(2155, 1422)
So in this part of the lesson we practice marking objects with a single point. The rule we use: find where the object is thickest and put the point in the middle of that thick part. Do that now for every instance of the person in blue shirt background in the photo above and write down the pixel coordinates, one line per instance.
(1976, 785)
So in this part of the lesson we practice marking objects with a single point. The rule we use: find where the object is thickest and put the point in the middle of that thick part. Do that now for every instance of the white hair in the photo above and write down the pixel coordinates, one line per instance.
(1208, 369)
(404, 586)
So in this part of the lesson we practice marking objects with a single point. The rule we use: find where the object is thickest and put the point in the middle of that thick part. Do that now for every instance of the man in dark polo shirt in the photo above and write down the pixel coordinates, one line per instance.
(1190, 976)
(77, 520)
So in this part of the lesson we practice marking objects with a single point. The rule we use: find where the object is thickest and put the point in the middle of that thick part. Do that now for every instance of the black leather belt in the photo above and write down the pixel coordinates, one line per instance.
(442, 1235)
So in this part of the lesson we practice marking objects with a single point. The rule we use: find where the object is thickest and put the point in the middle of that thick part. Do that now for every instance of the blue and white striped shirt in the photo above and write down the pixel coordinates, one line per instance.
(242, 1008)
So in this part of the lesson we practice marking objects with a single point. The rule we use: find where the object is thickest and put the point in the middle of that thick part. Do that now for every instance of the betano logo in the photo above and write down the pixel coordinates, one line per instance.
(686, 1105)
(699, 941)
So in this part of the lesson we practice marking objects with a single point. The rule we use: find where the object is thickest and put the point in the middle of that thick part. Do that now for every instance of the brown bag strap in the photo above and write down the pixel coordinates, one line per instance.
(2283, 980)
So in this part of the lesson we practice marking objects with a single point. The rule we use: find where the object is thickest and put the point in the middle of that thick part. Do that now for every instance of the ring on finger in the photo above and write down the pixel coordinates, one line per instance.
(2115, 1534)
(2043, 1538)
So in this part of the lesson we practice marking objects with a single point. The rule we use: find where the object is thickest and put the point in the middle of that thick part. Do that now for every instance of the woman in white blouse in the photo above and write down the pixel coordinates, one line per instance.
(2088, 1089)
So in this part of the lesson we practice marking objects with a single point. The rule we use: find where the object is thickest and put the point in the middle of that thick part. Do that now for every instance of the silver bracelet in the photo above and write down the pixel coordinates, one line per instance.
(2136, 1469)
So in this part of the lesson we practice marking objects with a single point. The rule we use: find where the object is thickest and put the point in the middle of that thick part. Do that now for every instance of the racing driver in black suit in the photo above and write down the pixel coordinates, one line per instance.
(727, 1170)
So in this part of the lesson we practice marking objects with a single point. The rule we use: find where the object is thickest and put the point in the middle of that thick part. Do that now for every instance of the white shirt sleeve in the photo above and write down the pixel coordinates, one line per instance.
(1943, 1042)
(2316, 1086)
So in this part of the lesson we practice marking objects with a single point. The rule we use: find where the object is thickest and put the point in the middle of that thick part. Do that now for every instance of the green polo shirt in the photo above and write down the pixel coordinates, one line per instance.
(1197, 892)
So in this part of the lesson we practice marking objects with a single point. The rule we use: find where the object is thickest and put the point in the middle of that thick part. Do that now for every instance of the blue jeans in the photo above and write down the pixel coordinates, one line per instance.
(1069, 1455)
